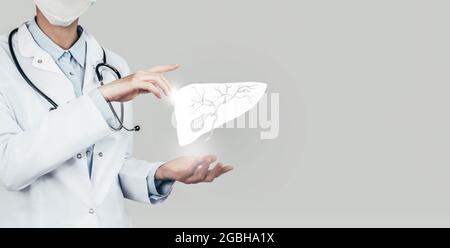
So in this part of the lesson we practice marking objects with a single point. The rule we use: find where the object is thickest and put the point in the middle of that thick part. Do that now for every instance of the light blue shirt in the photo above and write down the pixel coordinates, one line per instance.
(72, 63)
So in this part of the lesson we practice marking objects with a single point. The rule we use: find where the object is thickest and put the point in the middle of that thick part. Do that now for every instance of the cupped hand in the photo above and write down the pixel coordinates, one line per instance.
(192, 170)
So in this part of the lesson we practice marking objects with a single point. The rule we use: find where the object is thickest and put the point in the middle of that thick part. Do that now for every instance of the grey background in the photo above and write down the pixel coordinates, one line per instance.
(365, 124)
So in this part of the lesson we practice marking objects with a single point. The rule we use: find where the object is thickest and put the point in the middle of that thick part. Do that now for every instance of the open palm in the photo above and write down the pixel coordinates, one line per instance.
(192, 170)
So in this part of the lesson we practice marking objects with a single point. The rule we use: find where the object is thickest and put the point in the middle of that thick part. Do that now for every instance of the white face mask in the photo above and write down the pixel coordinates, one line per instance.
(63, 12)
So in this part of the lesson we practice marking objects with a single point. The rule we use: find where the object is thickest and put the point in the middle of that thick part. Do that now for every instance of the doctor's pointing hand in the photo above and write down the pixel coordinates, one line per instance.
(65, 146)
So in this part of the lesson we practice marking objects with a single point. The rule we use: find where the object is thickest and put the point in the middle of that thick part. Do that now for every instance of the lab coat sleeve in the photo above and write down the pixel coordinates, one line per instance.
(137, 178)
(159, 189)
(102, 105)
(26, 155)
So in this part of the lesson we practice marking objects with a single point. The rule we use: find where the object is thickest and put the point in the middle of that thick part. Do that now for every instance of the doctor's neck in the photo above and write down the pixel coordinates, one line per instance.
(64, 37)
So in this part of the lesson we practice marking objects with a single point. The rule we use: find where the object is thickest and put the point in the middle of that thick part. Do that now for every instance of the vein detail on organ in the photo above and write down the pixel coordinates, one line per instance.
(201, 108)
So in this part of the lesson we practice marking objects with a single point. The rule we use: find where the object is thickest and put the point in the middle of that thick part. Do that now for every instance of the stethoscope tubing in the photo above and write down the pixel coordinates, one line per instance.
(98, 72)
(24, 75)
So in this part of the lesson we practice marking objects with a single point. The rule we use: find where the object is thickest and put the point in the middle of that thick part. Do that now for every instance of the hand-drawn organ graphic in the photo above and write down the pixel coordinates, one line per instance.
(200, 108)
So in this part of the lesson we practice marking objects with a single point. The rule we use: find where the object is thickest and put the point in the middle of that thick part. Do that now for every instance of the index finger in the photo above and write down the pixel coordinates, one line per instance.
(163, 68)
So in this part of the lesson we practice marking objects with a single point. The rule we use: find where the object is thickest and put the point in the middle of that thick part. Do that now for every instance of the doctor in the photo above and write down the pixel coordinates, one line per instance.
(69, 167)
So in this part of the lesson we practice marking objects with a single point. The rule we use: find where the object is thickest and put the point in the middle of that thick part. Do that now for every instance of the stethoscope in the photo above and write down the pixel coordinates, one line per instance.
(98, 71)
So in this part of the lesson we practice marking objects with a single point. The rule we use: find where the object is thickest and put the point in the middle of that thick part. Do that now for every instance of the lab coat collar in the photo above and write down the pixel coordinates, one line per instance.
(94, 56)
(78, 49)
(94, 51)
(41, 59)
(30, 49)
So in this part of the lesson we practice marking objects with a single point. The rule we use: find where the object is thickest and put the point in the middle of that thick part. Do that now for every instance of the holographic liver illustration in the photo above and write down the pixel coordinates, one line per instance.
(200, 108)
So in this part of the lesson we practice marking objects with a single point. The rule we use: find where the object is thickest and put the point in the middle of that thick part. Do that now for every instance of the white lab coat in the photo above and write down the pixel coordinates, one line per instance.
(43, 168)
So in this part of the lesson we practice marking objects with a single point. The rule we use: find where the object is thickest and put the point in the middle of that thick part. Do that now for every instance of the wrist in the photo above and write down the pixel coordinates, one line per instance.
(104, 91)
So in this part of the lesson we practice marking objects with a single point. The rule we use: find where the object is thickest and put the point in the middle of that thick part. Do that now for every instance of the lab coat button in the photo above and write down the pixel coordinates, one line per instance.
(79, 156)
(91, 211)
(100, 154)
(39, 61)
(71, 73)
